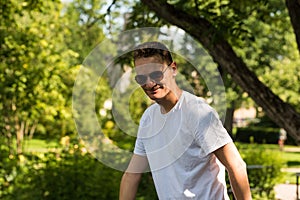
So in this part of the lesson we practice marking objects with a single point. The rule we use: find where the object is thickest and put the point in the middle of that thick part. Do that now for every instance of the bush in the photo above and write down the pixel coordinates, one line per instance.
(8, 164)
(262, 180)
(65, 175)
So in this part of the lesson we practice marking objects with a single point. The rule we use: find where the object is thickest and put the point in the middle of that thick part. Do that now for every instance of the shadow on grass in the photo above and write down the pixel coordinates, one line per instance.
(293, 163)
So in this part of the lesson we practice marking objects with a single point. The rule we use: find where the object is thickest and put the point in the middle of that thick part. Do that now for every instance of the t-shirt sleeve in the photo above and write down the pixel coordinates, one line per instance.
(139, 148)
(210, 133)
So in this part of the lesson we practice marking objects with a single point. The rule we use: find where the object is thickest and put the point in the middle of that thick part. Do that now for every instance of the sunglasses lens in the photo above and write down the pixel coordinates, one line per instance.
(157, 75)
(141, 79)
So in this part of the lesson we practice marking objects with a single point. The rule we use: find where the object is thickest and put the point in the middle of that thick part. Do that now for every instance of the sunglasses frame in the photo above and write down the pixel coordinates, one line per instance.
(145, 77)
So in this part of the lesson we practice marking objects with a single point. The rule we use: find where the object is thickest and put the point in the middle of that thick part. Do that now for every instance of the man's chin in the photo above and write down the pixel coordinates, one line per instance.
(156, 97)
(153, 95)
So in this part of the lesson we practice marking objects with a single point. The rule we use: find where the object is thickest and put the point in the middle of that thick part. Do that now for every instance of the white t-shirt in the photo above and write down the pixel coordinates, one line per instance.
(179, 147)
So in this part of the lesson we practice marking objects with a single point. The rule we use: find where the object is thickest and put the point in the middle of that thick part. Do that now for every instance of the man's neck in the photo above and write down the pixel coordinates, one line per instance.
(169, 101)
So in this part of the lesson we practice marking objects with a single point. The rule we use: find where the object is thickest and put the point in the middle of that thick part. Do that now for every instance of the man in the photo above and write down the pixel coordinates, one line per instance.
(181, 138)
(282, 138)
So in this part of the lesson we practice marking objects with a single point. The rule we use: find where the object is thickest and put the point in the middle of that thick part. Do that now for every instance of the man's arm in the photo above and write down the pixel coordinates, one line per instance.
(237, 171)
(129, 185)
(131, 178)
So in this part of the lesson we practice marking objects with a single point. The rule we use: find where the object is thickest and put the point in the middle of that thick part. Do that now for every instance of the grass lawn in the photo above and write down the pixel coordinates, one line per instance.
(291, 156)
(289, 177)
(38, 145)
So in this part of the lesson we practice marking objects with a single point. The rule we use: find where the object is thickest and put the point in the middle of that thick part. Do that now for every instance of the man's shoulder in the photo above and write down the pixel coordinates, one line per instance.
(151, 108)
(191, 99)
(196, 107)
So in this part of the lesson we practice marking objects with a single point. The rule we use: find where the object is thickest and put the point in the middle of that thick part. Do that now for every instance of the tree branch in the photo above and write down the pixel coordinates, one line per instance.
(221, 51)
(293, 7)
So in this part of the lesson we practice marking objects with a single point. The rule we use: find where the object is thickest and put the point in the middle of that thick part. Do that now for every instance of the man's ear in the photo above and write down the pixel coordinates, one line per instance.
(174, 68)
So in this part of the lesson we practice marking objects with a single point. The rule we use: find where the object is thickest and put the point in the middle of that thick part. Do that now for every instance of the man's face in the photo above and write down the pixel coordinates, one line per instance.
(153, 76)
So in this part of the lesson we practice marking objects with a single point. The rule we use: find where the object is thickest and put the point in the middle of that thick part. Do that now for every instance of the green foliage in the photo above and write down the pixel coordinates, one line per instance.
(284, 79)
(141, 16)
(35, 71)
(67, 172)
(8, 165)
(262, 180)
(83, 25)
(42, 45)
(146, 190)
(128, 107)
(64, 175)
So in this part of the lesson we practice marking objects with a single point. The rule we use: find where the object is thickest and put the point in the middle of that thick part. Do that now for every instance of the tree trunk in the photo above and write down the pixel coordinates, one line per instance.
(221, 51)
(228, 124)
(32, 129)
(8, 135)
(293, 7)
(19, 135)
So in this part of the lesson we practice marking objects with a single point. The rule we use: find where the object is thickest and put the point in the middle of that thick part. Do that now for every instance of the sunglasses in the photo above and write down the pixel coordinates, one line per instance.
(155, 76)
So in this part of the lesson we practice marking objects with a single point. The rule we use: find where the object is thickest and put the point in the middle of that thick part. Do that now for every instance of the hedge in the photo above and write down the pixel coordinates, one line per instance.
(260, 135)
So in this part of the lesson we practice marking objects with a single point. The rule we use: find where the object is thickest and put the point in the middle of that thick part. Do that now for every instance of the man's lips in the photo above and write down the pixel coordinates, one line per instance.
(154, 88)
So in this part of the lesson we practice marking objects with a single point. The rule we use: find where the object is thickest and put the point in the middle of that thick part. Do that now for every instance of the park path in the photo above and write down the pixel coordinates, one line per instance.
(285, 192)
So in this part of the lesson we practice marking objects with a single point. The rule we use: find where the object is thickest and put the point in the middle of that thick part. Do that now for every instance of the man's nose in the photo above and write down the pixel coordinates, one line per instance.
(149, 82)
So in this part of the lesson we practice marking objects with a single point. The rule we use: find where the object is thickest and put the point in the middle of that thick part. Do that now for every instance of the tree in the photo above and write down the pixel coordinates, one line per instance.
(212, 23)
(293, 6)
(35, 71)
(83, 23)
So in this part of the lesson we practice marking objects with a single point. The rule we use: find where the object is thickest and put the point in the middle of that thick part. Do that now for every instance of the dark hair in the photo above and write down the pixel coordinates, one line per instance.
(149, 49)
